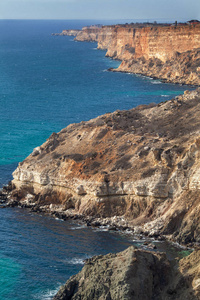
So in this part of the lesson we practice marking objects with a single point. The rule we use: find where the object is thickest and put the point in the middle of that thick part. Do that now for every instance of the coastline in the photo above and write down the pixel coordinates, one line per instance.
(92, 182)
(165, 51)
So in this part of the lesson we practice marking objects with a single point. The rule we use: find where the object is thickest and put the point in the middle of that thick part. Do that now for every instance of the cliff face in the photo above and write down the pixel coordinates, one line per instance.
(134, 274)
(141, 165)
(171, 53)
(149, 42)
(118, 41)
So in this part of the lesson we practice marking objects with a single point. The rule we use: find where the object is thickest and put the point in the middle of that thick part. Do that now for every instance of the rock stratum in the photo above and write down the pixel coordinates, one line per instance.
(137, 168)
(168, 52)
(134, 274)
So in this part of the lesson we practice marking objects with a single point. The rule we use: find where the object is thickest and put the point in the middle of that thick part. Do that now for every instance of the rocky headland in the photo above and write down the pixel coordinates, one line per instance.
(170, 52)
(137, 168)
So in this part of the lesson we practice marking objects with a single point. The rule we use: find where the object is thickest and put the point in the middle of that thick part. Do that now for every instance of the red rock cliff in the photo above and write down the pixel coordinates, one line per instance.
(151, 42)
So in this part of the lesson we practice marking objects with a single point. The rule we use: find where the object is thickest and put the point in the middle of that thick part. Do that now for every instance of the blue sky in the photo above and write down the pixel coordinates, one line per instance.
(100, 9)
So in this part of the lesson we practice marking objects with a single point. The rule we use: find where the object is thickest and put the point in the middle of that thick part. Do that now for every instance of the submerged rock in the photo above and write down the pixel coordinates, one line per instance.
(135, 274)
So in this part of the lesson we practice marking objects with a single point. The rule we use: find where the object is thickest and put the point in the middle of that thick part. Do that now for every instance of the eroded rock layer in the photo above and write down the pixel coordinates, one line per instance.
(140, 166)
(134, 274)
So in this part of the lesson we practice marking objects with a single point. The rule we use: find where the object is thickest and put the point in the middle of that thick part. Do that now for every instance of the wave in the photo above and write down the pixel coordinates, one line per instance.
(76, 261)
(48, 294)
(78, 227)
(101, 228)
(156, 82)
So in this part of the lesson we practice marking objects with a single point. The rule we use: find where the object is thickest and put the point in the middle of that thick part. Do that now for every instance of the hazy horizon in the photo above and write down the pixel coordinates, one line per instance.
(149, 10)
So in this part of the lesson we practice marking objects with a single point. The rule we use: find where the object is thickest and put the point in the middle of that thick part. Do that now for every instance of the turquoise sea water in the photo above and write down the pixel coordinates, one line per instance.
(46, 83)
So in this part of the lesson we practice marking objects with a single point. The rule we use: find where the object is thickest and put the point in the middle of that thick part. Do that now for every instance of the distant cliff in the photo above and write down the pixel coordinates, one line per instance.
(168, 52)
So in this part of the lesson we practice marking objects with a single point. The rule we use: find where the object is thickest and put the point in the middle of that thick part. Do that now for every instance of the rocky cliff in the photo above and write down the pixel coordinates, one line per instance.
(136, 168)
(149, 42)
(134, 274)
(168, 52)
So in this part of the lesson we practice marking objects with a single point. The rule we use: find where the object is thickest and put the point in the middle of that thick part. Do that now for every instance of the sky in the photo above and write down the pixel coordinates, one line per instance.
(180, 10)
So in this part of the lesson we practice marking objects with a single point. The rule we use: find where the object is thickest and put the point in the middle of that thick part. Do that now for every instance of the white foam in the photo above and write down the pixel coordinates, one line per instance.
(156, 82)
(101, 228)
(164, 95)
(78, 227)
(48, 294)
(76, 261)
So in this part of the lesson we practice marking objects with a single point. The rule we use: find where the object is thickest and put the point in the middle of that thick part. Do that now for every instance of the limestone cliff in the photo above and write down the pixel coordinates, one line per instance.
(171, 53)
(168, 52)
(134, 274)
(141, 166)
(149, 42)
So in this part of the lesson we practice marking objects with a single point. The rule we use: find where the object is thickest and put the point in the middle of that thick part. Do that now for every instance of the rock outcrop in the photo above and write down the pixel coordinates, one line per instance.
(140, 166)
(89, 34)
(69, 32)
(134, 274)
(169, 52)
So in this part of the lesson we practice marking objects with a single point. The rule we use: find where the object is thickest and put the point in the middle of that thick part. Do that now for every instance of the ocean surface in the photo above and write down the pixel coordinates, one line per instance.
(46, 83)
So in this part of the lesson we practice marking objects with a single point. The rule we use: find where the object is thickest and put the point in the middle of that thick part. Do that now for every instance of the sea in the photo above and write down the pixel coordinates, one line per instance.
(46, 83)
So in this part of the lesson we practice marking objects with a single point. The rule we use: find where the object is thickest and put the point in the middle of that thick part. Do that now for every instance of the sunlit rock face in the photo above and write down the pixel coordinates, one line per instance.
(168, 52)
(141, 164)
